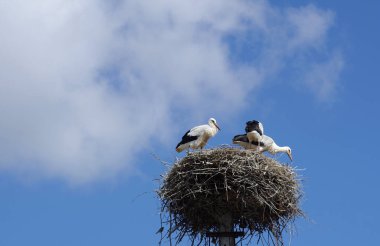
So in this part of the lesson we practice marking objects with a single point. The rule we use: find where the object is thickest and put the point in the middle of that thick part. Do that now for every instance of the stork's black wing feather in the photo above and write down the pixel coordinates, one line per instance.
(186, 138)
(253, 125)
(244, 138)
(241, 138)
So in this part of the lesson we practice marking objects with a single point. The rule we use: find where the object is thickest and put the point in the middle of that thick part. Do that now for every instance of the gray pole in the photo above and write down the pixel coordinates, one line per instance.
(226, 225)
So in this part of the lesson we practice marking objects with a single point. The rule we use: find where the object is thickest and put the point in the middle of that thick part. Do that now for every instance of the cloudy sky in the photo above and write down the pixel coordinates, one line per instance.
(89, 90)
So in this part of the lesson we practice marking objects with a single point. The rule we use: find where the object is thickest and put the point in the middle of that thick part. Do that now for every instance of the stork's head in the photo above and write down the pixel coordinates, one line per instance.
(289, 152)
(212, 122)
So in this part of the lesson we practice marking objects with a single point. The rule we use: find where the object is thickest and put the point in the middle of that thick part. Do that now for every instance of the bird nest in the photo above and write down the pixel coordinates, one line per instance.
(260, 194)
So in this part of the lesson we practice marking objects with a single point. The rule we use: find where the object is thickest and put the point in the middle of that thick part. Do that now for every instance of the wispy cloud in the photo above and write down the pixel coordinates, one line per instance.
(81, 81)
(323, 77)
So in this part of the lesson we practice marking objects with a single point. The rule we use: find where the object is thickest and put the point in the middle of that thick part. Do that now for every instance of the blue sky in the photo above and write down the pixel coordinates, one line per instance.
(88, 90)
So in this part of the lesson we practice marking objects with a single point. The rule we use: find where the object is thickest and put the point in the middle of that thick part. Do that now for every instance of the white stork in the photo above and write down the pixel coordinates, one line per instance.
(254, 130)
(266, 144)
(197, 137)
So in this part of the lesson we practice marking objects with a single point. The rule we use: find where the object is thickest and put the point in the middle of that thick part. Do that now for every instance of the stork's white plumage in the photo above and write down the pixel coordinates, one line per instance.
(266, 144)
(197, 137)
(254, 130)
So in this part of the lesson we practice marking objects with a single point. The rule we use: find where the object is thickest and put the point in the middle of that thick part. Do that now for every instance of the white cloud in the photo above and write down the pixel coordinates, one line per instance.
(323, 77)
(308, 26)
(81, 81)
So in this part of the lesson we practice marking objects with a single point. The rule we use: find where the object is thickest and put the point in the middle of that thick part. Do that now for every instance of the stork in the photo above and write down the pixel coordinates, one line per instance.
(197, 137)
(254, 130)
(266, 144)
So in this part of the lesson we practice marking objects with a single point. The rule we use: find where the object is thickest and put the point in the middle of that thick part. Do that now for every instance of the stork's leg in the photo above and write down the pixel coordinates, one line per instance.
(252, 147)
(259, 144)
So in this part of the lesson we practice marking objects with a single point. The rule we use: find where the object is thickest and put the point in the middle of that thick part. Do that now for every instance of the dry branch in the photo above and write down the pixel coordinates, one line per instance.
(261, 194)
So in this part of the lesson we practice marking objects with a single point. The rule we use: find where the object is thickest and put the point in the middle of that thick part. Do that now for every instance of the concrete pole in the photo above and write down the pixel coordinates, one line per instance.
(226, 225)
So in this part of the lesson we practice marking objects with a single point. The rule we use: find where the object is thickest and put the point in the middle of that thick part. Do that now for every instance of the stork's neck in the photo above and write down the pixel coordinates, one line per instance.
(276, 148)
(214, 129)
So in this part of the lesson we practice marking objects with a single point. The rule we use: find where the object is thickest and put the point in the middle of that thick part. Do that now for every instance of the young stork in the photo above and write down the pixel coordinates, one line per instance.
(254, 130)
(197, 137)
(266, 144)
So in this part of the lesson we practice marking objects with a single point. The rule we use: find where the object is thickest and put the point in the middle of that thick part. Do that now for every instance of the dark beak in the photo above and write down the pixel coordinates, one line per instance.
(217, 126)
(290, 156)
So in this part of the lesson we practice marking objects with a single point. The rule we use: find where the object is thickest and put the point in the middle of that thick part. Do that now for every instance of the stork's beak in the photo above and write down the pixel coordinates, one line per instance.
(217, 126)
(290, 156)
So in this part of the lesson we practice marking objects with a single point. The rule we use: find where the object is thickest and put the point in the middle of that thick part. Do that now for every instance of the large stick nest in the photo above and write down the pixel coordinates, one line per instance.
(259, 193)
